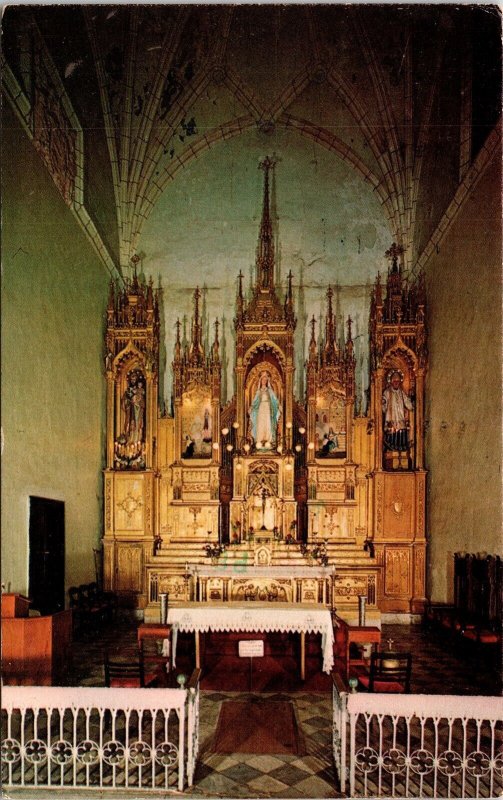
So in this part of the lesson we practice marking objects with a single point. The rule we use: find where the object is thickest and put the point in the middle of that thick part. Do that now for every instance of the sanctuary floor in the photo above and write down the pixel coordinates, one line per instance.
(438, 668)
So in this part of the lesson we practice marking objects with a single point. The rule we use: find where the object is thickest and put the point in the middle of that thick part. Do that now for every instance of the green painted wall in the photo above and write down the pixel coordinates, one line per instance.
(54, 296)
(464, 385)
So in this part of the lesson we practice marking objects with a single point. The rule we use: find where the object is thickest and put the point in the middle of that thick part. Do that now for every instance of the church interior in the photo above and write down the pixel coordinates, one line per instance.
(251, 373)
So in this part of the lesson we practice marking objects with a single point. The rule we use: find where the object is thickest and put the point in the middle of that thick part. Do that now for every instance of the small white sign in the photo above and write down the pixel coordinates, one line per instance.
(251, 648)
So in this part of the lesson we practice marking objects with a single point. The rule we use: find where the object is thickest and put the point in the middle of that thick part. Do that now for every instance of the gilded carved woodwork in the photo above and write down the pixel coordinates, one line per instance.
(396, 426)
(274, 479)
(397, 571)
(129, 569)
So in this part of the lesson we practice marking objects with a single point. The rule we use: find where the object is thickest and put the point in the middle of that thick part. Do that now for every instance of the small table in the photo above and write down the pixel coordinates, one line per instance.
(156, 630)
(361, 634)
(153, 630)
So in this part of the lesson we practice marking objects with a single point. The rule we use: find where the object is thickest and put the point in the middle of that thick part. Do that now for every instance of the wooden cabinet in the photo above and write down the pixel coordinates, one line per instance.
(36, 651)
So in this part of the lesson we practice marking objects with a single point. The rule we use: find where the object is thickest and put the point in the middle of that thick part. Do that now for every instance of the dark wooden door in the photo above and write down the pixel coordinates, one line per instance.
(47, 555)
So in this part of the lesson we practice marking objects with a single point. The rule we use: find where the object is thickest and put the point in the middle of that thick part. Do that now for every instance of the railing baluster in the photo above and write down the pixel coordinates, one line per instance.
(420, 746)
(352, 748)
(81, 749)
(463, 779)
(181, 745)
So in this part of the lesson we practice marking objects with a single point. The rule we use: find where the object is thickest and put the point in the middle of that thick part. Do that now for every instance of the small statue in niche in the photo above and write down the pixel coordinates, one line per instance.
(189, 447)
(177, 490)
(133, 404)
(214, 488)
(330, 443)
(397, 406)
(207, 427)
(264, 413)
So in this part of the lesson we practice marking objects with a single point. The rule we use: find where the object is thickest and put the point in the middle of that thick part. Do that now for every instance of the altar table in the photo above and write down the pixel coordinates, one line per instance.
(257, 618)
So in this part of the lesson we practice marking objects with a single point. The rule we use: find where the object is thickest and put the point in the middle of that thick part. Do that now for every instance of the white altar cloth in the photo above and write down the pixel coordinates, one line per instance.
(255, 617)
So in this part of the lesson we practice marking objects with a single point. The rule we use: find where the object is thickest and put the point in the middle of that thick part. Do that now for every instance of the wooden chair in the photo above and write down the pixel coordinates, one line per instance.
(155, 665)
(122, 673)
(389, 672)
(151, 637)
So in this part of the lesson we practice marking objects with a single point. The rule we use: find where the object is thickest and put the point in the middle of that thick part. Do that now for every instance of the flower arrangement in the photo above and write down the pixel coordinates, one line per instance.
(318, 552)
(214, 551)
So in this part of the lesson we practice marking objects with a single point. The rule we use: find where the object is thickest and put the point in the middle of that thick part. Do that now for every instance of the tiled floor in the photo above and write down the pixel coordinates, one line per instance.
(248, 775)
(438, 668)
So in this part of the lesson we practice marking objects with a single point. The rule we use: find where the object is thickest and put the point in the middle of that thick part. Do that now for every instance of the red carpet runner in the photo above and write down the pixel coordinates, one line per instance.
(258, 726)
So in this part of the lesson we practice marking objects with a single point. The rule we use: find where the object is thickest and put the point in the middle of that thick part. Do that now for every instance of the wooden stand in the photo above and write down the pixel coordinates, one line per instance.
(36, 650)
(345, 636)
(14, 605)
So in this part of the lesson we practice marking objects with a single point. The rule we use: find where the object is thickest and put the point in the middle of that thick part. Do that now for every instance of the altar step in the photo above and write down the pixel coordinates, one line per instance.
(180, 553)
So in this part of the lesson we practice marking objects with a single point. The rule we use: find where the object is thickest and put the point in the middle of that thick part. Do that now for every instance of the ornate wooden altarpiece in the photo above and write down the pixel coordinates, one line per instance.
(267, 482)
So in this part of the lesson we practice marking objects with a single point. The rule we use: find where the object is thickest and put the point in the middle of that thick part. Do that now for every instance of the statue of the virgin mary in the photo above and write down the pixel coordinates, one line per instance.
(264, 414)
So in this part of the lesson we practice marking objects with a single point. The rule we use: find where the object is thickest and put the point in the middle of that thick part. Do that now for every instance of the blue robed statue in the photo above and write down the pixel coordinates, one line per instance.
(264, 413)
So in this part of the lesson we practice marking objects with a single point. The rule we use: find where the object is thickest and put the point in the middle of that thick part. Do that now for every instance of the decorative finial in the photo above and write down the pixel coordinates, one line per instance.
(393, 254)
(135, 260)
(312, 341)
(216, 344)
(196, 347)
(265, 248)
(289, 296)
(330, 322)
(178, 346)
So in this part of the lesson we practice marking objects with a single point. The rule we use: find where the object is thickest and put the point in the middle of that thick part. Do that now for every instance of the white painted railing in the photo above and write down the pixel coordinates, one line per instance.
(438, 746)
(98, 738)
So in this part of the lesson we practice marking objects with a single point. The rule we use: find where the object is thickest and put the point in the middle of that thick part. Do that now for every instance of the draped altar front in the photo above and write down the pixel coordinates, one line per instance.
(255, 618)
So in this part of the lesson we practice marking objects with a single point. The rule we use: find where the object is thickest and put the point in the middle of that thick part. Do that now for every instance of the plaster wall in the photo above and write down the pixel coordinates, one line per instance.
(54, 297)
(463, 404)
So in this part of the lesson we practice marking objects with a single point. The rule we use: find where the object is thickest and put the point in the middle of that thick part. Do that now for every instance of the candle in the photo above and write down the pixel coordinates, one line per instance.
(187, 567)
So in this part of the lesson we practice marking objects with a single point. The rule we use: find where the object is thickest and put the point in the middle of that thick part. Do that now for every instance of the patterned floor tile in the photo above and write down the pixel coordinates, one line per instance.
(322, 737)
(220, 762)
(292, 791)
(316, 722)
(266, 783)
(218, 784)
(315, 787)
(264, 763)
(241, 773)
(289, 774)
(310, 763)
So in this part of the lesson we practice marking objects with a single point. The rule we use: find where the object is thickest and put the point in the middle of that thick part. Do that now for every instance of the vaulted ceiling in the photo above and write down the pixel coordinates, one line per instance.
(374, 114)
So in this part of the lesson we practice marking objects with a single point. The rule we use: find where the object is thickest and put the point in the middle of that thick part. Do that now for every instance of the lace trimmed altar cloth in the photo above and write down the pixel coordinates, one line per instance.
(255, 617)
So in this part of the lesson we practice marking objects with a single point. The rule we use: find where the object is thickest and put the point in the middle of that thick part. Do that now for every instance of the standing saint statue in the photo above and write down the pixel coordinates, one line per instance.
(264, 413)
(396, 405)
(133, 403)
